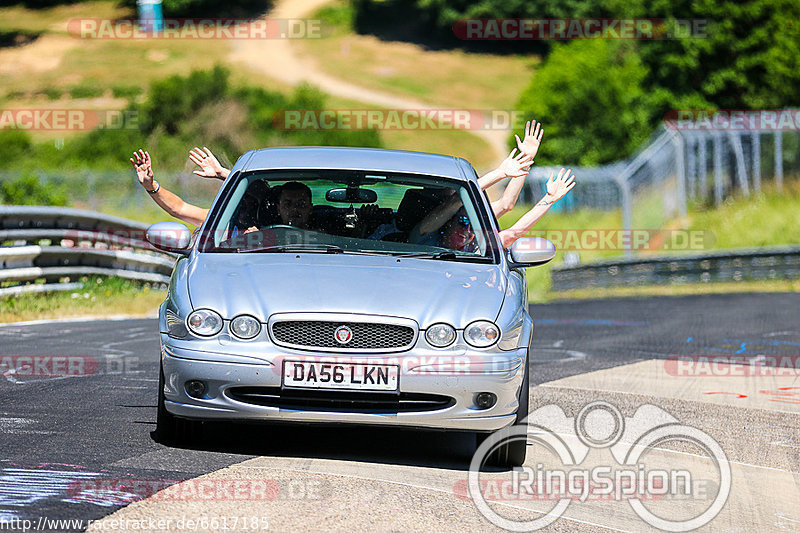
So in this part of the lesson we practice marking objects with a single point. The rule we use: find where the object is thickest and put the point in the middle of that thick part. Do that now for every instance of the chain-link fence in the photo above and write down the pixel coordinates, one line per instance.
(675, 167)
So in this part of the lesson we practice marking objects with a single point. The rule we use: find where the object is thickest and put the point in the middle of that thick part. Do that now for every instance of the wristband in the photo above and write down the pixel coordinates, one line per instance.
(158, 187)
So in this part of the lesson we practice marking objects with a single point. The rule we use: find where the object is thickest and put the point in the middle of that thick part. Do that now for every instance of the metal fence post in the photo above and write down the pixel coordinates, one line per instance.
(718, 169)
(703, 163)
(681, 171)
(755, 146)
(779, 160)
(625, 187)
(691, 162)
(741, 174)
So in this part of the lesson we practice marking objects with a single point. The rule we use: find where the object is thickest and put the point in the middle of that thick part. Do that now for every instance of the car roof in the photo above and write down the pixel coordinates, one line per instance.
(347, 158)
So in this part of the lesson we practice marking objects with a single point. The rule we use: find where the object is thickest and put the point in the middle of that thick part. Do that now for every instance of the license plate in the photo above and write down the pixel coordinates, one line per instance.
(354, 376)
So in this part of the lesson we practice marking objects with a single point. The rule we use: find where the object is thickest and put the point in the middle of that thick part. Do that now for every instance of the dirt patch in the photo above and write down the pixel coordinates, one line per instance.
(41, 55)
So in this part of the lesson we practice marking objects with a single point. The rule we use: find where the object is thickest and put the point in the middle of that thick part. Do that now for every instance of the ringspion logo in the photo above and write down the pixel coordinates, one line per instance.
(602, 455)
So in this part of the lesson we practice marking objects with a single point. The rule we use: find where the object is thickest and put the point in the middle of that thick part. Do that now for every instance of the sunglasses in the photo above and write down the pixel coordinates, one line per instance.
(464, 221)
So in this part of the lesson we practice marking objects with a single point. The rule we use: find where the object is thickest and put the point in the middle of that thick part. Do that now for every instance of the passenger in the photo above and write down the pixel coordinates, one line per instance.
(458, 233)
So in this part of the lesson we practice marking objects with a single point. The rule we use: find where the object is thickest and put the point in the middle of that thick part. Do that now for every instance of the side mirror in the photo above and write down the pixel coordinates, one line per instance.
(352, 195)
(531, 251)
(169, 236)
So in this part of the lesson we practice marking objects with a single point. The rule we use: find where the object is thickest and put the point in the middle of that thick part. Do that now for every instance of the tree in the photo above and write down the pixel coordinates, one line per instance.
(590, 99)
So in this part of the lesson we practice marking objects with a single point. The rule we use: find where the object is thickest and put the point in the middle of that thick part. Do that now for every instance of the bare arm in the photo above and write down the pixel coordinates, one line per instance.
(511, 167)
(169, 202)
(506, 203)
(556, 189)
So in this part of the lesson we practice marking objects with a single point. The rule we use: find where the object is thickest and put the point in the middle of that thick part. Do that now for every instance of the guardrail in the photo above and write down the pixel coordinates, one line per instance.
(51, 246)
(729, 265)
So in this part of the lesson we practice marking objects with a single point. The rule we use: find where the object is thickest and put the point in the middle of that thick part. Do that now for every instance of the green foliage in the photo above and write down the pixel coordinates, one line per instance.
(590, 98)
(28, 190)
(16, 38)
(85, 91)
(126, 91)
(750, 58)
(174, 99)
(740, 54)
(14, 145)
(52, 93)
(180, 112)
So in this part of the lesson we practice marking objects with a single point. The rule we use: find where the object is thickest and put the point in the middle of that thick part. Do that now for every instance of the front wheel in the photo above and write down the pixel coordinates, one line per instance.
(511, 452)
(171, 429)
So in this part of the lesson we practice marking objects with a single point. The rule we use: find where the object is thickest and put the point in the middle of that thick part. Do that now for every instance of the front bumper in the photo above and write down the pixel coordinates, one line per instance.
(420, 373)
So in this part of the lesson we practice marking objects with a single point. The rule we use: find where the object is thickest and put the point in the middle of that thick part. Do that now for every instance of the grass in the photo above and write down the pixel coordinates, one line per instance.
(768, 219)
(102, 297)
(672, 290)
(451, 78)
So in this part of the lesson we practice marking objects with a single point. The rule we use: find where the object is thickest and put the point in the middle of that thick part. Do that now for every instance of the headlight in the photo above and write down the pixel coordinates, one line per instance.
(204, 322)
(440, 335)
(481, 334)
(245, 327)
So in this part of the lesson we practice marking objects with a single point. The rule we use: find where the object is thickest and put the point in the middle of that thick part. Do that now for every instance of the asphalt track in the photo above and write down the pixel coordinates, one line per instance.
(72, 447)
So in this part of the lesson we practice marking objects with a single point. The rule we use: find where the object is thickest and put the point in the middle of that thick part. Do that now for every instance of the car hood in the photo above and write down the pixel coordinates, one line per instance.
(424, 290)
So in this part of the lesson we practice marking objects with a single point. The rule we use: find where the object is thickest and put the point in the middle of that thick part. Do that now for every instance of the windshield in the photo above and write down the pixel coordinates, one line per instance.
(350, 212)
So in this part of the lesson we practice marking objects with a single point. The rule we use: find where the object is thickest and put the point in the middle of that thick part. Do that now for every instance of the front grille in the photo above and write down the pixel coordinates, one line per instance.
(320, 334)
(340, 401)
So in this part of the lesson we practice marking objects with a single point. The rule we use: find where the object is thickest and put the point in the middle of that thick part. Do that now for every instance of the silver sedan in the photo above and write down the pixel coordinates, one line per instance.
(347, 285)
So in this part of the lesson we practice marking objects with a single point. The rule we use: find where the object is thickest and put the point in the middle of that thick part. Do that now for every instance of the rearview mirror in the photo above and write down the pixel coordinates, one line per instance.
(531, 251)
(352, 195)
(169, 236)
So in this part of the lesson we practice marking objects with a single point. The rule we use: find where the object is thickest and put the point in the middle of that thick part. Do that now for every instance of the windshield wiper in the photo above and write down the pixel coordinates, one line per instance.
(447, 256)
(325, 248)
(429, 255)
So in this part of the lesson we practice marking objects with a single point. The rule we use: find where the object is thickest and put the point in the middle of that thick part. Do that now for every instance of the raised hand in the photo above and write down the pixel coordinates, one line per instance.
(515, 166)
(533, 138)
(209, 165)
(144, 169)
(557, 187)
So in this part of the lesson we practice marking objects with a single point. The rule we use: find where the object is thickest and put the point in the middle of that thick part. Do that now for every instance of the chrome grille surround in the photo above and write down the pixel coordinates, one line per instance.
(315, 331)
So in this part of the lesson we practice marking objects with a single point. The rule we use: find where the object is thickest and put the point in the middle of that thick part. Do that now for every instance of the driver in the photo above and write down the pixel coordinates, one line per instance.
(294, 204)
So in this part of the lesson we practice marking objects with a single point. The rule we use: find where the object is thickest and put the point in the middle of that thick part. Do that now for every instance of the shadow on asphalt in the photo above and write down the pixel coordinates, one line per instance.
(433, 449)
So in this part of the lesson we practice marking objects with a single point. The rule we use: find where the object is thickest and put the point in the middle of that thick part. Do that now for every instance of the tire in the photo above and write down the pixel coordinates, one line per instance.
(511, 453)
(171, 429)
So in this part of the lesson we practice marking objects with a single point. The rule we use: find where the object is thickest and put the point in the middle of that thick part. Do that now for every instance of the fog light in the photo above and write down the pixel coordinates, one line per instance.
(485, 400)
(195, 388)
